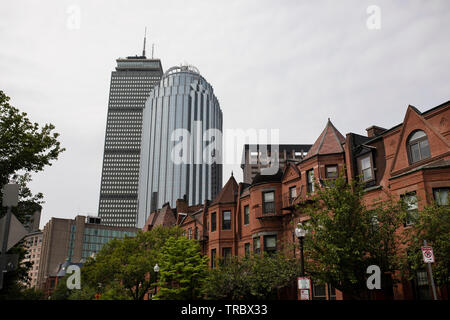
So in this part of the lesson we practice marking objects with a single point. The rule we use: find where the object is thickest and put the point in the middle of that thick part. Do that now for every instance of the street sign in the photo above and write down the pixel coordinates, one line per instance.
(427, 253)
(303, 283)
(10, 195)
(16, 232)
(304, 294)
(9, 262)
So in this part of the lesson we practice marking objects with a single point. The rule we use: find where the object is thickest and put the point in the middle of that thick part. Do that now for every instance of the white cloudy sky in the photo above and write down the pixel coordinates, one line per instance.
(285, 65)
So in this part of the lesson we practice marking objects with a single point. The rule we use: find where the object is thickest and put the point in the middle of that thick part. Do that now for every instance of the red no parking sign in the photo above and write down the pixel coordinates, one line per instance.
(428, 256)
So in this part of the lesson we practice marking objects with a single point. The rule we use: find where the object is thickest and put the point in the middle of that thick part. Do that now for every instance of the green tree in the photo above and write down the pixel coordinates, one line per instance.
(124, 267)
(252, 277)
(432, 225)
(182, 270)
(61, 291)
(85, 293)
(25, 147)
(344, 237)
(32, 294)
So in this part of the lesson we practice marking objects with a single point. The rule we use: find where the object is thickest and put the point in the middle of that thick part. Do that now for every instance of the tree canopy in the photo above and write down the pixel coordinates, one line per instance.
(183, 270)
(25, 147)
(251, 277)
(124, 267)
(432, 226)
(344, 236)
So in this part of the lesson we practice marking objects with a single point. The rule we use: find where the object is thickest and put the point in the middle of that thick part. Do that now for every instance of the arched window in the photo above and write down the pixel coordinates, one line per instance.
(418, 146)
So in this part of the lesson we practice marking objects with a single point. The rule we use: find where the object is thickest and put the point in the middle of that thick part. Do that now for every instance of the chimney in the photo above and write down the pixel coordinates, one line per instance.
(374, 131)
(182, 206)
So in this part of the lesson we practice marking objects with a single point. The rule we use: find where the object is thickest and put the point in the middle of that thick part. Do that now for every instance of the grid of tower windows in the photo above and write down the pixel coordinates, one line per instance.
(129, 90)
(71, 241)
(122, 211)
(94, 239)
(123, 129)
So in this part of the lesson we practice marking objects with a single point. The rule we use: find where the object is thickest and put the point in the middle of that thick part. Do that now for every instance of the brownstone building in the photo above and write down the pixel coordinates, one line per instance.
(410, 160)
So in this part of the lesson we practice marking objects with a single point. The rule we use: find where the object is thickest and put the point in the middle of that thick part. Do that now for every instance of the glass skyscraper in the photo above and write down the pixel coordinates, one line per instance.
(131, 83)
(182, 100)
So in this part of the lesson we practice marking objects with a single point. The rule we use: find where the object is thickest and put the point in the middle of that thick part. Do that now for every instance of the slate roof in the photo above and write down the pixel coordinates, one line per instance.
(62, 268)
(329, 142)
(228, 193)
(162, 217)
(262, 178)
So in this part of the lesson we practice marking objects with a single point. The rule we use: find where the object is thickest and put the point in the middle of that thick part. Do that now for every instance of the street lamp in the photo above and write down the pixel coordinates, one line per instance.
(300, 232)
(156, 269)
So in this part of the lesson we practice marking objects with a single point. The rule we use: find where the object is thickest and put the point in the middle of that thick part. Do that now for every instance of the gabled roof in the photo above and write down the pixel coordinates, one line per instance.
(267, 178)
(163, 217)
(228, 193)
(293, 167)
(400, 160)
(442, 105)
(62, 268)
(330, 141)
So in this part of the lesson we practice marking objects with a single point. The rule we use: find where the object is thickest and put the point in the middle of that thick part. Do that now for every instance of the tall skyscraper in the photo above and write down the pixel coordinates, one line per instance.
(182, 100)
(131, 83)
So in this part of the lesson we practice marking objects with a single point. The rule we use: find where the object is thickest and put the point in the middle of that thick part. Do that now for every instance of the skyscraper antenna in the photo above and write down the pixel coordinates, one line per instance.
(145, 37)
(153, 49)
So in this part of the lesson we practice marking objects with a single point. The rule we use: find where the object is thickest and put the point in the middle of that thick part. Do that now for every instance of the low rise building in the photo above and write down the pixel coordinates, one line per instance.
(73, 240)
(33, 244)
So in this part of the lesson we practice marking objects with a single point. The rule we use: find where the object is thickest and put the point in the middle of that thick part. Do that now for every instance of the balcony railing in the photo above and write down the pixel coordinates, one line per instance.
(290, 201)
(287, 200)
(268, 207)
(267, 210)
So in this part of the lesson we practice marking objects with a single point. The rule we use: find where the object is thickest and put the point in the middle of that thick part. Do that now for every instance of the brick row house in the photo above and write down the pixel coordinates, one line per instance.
(410, 160)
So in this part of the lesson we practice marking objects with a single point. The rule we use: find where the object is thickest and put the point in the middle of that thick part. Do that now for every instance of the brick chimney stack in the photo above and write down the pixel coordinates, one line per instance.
(374, 131)
(182, 206)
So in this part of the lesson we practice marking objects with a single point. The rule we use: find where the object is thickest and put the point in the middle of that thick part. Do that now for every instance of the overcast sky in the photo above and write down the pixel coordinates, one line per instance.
(286, 65)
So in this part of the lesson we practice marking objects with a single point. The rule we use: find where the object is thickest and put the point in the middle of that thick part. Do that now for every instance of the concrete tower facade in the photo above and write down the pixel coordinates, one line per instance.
(131, 83)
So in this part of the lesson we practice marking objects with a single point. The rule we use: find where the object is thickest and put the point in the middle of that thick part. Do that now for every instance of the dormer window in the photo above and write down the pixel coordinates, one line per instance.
(365, 167)
(418, 147)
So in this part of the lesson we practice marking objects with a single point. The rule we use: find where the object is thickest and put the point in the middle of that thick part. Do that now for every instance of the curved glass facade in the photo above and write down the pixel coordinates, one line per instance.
(182, 100)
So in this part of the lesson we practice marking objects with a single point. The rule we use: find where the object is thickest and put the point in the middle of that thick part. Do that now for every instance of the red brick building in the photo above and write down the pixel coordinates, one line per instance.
(410, 160)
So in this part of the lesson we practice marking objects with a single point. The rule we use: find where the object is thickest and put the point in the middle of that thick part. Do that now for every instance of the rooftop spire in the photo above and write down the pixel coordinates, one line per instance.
(145, 38)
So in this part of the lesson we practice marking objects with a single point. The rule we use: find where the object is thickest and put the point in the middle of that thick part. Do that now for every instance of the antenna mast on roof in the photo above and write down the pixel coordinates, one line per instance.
(153, 49)
(145, 37)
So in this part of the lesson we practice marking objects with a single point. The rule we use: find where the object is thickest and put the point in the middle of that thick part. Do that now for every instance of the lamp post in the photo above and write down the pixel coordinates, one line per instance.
(156, 269)
(300, 232)
(98, 294)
